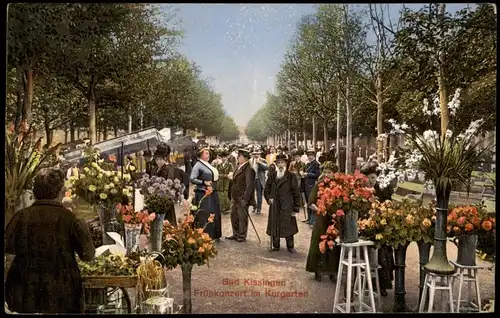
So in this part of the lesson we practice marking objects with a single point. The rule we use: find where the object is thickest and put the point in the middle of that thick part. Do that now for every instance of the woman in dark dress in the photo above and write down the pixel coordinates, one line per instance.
(44, 277)
(317, 262)
(204, 176)
(386, 252)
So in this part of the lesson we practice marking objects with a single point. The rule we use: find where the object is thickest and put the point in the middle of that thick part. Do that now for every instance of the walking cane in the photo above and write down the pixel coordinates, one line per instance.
(248, 214)
(271, 217)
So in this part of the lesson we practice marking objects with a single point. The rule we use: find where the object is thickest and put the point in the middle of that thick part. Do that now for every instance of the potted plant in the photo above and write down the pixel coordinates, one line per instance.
(447, 158)
(342, 197)
(466, 223)
(186, 245)
(160, 196)
(24, 158)
(133, 223)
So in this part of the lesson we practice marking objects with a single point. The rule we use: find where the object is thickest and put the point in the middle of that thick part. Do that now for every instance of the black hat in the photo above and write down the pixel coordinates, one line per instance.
(281, 158)
(147, 153)
(369, 168)
(243, 152)
(163, 150)
(224, 153)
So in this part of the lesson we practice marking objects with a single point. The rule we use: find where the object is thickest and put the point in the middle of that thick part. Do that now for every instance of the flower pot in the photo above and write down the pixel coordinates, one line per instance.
(349, 227)
(158, 305)
(399, 277)
(107, 217)
(132, 233)
(467, 250)
(156, 232)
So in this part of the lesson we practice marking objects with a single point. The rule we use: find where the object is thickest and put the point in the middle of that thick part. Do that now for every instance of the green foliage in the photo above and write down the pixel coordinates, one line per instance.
(229, 131)
(110, 265)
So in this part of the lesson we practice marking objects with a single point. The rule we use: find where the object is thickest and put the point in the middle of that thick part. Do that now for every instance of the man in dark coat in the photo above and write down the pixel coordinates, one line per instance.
(170, 171)
(150, 163)
(309, 177)
(241, 193)
(283, 196)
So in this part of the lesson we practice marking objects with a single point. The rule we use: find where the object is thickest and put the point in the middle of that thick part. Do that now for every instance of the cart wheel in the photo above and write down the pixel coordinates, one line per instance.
(119, 297)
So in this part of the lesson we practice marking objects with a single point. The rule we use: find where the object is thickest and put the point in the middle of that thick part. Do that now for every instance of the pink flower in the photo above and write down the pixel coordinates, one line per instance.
(340, 213)
(461, 220)
(152, 216)
(127, 218)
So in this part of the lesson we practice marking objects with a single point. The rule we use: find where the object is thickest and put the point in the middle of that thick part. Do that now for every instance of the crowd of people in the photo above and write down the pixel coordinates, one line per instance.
(46, 235)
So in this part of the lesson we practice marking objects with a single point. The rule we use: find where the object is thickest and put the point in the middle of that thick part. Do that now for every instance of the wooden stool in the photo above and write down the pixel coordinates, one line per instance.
(359, 264)
(469, 277)
(431, 284)
(374, 267)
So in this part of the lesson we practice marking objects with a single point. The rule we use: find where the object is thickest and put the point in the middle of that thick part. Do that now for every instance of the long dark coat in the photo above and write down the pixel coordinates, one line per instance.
(44, 277)
(286, 200)
(317, 262)
(242, 186)
(313, 171)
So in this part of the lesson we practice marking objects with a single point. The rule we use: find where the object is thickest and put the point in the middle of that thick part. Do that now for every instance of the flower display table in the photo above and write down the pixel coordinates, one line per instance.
(102, 290)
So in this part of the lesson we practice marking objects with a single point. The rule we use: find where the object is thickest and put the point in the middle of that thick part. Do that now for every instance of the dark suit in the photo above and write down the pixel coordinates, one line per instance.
(313, 172)
(242, 189)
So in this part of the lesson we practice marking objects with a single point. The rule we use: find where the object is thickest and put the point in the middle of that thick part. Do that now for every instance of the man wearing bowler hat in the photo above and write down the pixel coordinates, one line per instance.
(241, 194)
(260, 166)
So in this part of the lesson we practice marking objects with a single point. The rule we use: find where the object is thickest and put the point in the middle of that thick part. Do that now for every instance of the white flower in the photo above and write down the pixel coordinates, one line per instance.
(437, 107)
(404, 126)
(391, 121)
(426, 110)
(127, 177)
(430, 135)
(100, 160)
(449, 133)
(95, 165)
(107, 173)
(381, 137)
(454, 104)
(86, 169)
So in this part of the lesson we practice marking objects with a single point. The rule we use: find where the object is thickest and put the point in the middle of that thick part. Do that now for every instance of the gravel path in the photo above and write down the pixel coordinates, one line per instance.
(226, 285)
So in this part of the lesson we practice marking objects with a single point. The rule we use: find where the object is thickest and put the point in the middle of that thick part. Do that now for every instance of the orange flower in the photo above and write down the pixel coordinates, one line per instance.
(322, 246)
(469, 227)
(448, 229)
(201, 250)
(208, 191)
(487, 225)
(190, 218)
(211, 218)
(476, 221)
(461, 220)
(199, 230)
(456, 229)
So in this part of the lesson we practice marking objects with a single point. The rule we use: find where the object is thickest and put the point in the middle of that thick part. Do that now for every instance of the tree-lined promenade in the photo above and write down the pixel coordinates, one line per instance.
(106, 68)
(349, 69)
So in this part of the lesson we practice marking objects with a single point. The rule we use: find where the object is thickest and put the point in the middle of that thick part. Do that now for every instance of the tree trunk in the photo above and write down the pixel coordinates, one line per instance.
(325, 137)
(48, 133)
(92, 118)
(348, 149)
(72, 131)
(380, 119)
(314, 133)
(115, 131)
(19, 110)
(337, 145)
(130, 123)
(296, 135)
(28, 95)
(78, 133)
(66, 133)
(304, 134)
(186, 287)
(443, 94)
(105, 132)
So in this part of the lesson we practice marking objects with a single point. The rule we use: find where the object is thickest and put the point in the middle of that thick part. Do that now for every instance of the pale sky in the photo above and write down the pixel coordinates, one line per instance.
(241, 46)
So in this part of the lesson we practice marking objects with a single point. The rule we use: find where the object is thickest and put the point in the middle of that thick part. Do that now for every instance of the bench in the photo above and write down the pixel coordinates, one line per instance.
(416, 190)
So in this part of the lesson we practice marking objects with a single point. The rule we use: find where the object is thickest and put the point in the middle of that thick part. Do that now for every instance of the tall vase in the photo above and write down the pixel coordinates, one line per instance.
(399, 277)
(132, 233)
(349, 227)
(187, 269)
(156, 232)
(424, 250)
(439, 263)
(467, 250)
(107, 217)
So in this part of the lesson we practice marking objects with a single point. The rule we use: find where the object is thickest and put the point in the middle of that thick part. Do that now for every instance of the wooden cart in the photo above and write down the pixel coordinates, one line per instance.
(99, 290)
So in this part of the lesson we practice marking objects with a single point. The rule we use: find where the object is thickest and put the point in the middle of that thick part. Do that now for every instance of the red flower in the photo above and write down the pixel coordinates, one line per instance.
(340, 213)
(487, 225)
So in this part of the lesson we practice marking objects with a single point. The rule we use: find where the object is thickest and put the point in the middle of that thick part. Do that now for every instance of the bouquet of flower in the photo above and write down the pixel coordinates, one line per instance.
(159, 193)
(24, 158)
(186, 244)
(98, 186)
(129, 216)
(463, 220)
(424, 220)
(338, 196)
(447, 160)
